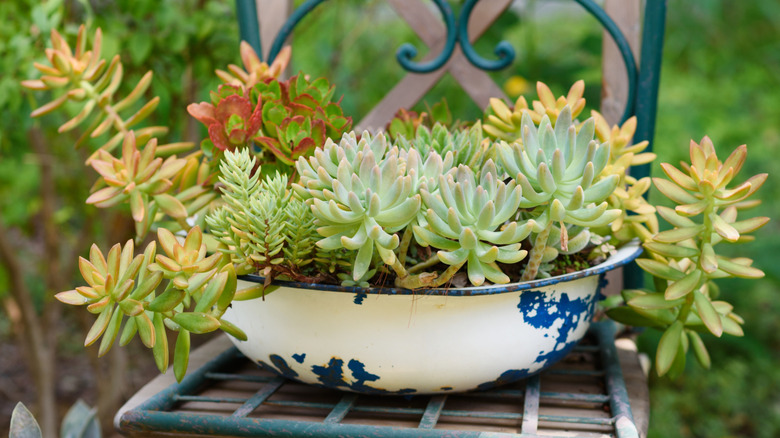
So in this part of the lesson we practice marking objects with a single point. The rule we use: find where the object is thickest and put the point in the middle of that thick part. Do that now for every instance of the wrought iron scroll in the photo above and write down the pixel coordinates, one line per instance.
(288, 26)
(457, 33)
(504, 50)
(407, 52)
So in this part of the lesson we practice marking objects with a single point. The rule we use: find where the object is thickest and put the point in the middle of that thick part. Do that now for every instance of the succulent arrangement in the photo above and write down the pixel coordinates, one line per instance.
(283, 188)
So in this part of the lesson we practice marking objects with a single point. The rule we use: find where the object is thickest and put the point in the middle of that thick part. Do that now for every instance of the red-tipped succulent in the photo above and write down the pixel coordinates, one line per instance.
(298, 116)
(231, 118)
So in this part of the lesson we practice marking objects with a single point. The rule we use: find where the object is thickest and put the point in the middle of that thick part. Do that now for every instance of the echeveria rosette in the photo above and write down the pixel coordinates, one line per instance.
(683, 260)
(405, 123)
(467, 146)
(560, 171)
(122, 288)
(426, 160)
(295, 137)
(503, 123)
(469, 222)
(439, 150)
(361, 195)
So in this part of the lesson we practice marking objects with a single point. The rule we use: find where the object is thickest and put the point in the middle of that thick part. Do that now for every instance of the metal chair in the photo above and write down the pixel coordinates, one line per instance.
(230, 396)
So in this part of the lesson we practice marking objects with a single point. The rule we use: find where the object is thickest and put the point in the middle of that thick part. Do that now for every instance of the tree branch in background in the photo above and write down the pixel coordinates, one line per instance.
(34, 339)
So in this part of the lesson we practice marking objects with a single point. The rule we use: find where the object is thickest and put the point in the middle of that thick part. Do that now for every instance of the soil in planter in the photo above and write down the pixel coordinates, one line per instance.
(564, 264)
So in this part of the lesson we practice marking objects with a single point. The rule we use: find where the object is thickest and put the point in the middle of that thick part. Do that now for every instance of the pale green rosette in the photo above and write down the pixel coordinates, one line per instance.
(470, 224)
(361, 194)
(560, 171)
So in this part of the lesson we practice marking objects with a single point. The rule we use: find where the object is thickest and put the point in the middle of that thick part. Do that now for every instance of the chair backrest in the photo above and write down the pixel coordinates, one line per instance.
(633, 92)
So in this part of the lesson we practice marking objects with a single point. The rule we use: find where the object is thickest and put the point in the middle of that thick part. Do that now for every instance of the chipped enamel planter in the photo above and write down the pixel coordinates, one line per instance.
(402, 342)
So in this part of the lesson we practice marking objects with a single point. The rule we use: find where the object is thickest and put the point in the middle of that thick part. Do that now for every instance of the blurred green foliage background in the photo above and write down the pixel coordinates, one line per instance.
(721, 77)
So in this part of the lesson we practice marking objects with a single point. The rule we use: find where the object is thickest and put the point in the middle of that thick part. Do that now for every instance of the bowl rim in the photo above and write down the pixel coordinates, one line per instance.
(624, 255)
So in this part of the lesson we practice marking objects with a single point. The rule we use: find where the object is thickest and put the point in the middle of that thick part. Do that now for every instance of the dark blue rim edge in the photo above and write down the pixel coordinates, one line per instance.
(493, 289)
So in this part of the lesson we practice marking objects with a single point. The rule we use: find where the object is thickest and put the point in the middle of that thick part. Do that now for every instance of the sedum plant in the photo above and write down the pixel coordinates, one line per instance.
(81, 77)
(503, 123)
(254, 70)
(637, 218)
(683, 259)
(262, 226)
(187, 287)
(84, 78)
(182, 289)
(283, 188)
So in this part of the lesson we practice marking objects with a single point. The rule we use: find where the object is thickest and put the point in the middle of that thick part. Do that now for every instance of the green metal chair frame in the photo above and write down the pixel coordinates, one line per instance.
(643, 79)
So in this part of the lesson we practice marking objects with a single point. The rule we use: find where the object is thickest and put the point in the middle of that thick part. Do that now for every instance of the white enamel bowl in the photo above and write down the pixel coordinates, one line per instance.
(401, 342)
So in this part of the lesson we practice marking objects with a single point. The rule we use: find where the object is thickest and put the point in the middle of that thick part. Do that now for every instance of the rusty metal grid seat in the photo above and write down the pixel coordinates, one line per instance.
(583, 396)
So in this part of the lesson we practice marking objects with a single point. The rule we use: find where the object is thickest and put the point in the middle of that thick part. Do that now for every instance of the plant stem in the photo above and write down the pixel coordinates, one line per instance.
(706, 238)
(432, 261)
(106, 107)
(685, 310)
(447, 274)
(535, 258)
(399, 269)
(404, 247)
(428, 279)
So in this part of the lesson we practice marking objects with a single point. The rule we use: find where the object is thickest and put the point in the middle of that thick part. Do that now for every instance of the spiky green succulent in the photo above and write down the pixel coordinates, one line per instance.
(683, 259)
(560, 172)
(469, 221)
(361, 194)
(262, 226)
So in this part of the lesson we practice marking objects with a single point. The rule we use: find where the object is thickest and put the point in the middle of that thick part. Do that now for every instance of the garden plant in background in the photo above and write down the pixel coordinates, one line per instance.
(79, 422)
(44, 223)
